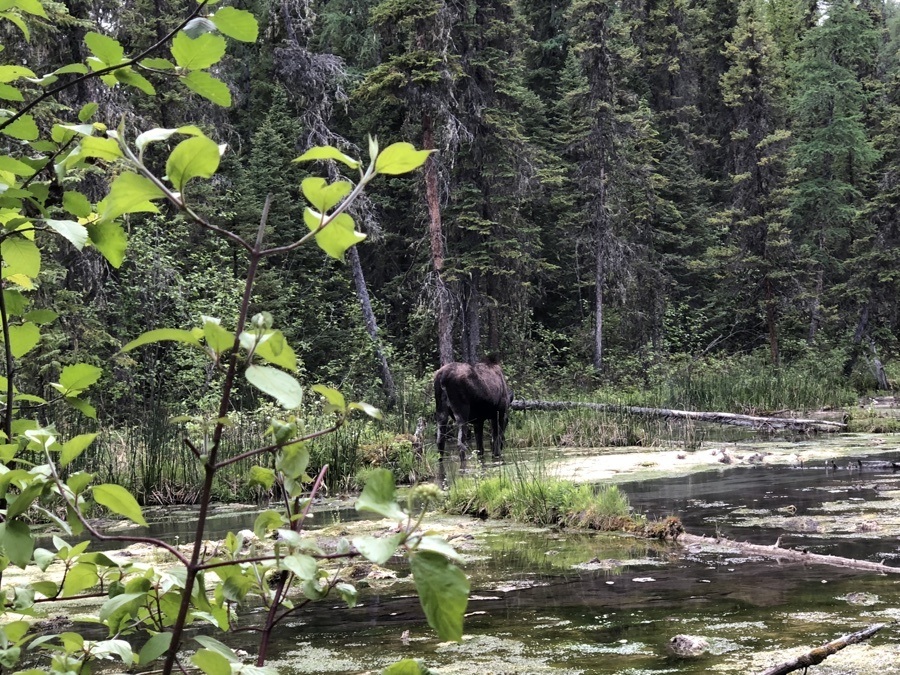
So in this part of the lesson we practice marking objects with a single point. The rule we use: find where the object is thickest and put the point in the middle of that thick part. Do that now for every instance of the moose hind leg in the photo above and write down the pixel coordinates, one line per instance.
(441, 435)
(479, 438)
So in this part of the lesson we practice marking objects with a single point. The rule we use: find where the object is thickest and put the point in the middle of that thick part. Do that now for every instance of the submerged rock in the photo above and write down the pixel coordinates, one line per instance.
(688, 646)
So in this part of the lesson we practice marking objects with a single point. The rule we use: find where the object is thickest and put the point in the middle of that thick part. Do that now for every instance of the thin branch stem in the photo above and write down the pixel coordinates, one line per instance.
(104, 71)
(278, 446)
(10, 365)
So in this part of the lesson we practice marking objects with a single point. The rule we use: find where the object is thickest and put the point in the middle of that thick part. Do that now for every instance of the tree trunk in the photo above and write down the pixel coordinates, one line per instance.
(878, 368)
(819, 654)
(772, 324)
(471, 320)
(600, 234)
(761, 423)
(861, 327)
(362, 292)
(432, 197)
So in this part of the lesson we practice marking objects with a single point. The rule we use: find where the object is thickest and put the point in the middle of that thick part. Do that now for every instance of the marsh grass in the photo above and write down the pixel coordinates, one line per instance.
(535, 498)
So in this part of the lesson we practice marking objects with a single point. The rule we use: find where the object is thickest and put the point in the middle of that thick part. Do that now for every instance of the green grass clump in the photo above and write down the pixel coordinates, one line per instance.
(541, 500)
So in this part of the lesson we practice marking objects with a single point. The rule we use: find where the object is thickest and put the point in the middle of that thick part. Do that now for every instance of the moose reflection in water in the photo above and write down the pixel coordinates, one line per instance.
(472, 394)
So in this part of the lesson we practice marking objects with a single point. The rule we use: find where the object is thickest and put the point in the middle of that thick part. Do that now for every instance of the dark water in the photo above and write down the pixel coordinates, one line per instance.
(539, 605)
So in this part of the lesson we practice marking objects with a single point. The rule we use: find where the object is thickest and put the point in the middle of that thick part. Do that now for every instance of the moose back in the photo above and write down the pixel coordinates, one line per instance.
(472, 394)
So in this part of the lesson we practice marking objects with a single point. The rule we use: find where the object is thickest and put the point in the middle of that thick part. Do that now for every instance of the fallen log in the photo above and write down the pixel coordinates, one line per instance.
(793, 555)
(819, 654)
(762, 423)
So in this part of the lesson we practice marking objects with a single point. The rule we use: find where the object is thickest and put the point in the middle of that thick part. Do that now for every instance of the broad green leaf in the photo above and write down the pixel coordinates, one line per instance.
(105, 48)
(134, 79)
(43, 558)
(211, 662)
(400, 158)
(110, 239)
(120, 603)
(23, 501)
(74, 447)
(23, 128)
(327, 152)
(406, 667)
(16, 630)
(367, 408)
(16, 542)
(439, 545)
(130, 193)
(154, 135)
(76, 204)
(82, 406)
(11, 73)
(193, 158)
(219, 647)
(267, 521)
(303, 566)
(218, 339)
(378, 549)
(277, 351)
(236, 23)
(154, 648)
(293, 460)
(120, 648)
(48, 589)
(163, 335)
(443, 591)
(158, 64)
(202, 83)
(21, 257)
(80, 577)
(277, 384)
(379, 496)
(262, 476)
(23, 338)
(118, 500)
(77, 482)
(333, 396)
(197, 53)
(76, 233)
(10, 93)
(88, 109)
(41, 316)
(15, 166)
(32, 7)
(337, 236)
(322, 195)
(78, 377)
(18, 22)
(347, 593)
(102, 148)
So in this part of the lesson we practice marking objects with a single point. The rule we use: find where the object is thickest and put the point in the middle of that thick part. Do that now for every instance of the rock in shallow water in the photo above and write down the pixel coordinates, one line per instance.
(688, 646)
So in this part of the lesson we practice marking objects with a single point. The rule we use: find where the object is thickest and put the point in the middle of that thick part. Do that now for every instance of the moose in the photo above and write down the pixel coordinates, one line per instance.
(472, 393)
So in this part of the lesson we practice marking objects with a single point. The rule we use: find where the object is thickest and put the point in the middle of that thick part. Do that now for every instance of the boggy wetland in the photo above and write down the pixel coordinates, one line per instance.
(568, 601)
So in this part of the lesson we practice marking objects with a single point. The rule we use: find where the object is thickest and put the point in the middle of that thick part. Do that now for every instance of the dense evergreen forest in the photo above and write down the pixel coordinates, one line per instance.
(618, 186)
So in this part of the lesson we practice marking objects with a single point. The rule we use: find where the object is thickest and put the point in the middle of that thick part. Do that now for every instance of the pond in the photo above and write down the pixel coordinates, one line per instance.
(564, 602)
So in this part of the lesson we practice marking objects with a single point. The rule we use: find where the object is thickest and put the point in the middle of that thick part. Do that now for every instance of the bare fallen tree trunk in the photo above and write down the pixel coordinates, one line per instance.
(793, 555)
(819, 654)
(764, 423)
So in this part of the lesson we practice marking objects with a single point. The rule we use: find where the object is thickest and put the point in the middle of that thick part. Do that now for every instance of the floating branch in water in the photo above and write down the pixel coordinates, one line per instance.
(819, 654)
(762, 423)
(793, 555)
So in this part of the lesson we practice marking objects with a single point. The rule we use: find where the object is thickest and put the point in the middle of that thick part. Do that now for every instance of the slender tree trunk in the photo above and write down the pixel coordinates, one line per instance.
(772, 323)
(472, 320)
(362, 292)
(602, 225)
(432, 196)
(862, 326)
(815, 307)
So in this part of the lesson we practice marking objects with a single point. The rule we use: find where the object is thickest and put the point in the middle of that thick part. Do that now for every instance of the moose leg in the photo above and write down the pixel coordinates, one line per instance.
(461, 441)
(479, 438)
(441, 434)
(496, 437)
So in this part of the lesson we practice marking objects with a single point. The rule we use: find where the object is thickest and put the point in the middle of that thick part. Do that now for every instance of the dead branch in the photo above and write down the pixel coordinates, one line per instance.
(763, 423)
(793, 555)
(819, 654)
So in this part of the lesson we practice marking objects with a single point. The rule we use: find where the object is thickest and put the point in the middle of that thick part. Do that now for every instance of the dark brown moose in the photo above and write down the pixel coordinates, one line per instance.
(472, 394)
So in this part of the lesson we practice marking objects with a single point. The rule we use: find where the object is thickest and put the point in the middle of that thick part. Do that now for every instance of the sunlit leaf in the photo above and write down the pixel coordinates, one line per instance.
(202, 83)
(197, 53)
(16, 542)
(76, 204)
(379, 496)
(303, 566)
(74, 447)
(23, 128)
(400, 158)
(236, 23)
(367, 408)
(163, 335)
(110, 239)
(154, 135)
(322, 195)
(196, 157)
(76, 233)
(378, 549)
(327, 152)
(15, 166)
(154, 648)
(277, 384)
(118, 500)
(129, 193)
(337, 236)
(21, 256)
(102, 148)
(136, 80)
(23, 338)
(105, 48)
(211, 662)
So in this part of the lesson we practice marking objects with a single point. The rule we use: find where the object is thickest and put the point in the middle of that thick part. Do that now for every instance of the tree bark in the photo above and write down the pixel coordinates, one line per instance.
(471, 333)
(432, 197)
(772, 324)
(601, 233)
(762, 423)
(365, 303)
(819, 654)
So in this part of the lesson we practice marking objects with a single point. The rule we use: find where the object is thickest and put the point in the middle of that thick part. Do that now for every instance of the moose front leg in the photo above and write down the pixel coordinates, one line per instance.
(479, 438)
